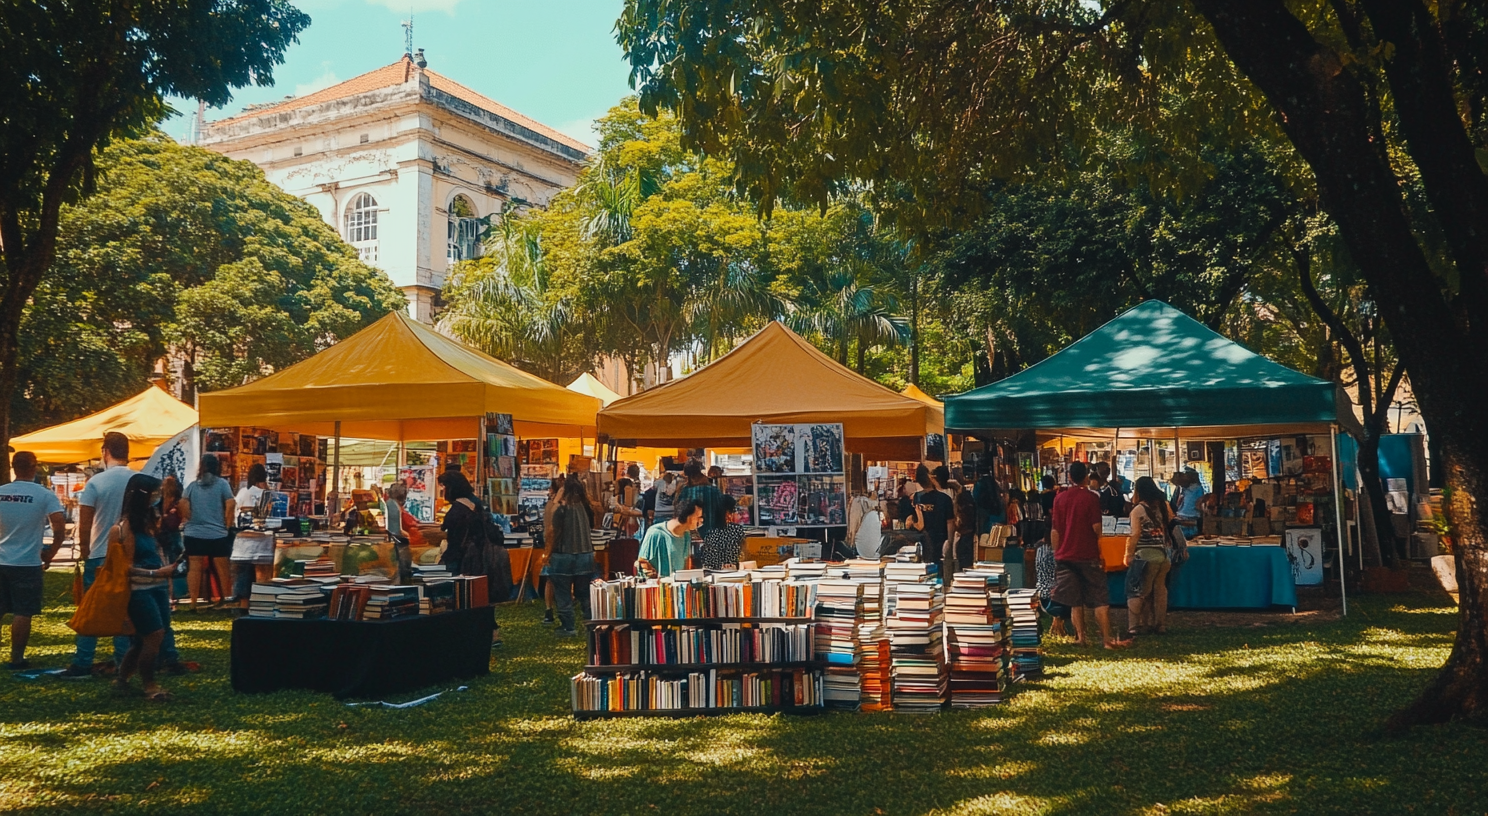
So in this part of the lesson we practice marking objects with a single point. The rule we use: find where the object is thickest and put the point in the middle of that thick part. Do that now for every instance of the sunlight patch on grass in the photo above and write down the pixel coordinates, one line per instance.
(997, 804)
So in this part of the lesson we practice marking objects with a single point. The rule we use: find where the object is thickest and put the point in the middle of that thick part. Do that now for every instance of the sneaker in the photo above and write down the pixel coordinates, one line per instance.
(548, 619)
(181, 667)
(76, 672)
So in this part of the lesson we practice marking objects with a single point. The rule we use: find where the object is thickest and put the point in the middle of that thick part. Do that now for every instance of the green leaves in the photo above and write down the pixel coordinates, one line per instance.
(189, 253)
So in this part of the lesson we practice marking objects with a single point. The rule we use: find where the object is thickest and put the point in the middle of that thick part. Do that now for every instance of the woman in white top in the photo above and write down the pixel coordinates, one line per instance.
(251, 559)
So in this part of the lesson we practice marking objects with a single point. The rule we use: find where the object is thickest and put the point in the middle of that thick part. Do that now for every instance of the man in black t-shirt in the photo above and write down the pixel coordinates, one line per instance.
(934, 511)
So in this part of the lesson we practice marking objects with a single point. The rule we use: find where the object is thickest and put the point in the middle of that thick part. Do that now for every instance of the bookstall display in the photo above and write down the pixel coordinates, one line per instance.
(839, 614)
(916, 638)
(700, 644)
(1027, 638)
(296, 466)
(976, 636)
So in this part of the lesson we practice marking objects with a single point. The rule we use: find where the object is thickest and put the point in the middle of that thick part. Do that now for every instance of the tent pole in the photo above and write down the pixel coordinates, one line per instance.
(333, 500)
(1338, 515)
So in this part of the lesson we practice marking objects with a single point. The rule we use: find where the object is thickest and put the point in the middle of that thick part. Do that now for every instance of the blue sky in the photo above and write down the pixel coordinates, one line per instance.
(553, 60)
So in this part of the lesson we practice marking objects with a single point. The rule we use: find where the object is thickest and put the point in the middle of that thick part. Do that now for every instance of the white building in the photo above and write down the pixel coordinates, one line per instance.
(406, 164)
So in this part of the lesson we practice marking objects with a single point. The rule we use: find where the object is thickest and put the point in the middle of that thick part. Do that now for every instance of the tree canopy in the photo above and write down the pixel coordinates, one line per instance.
(187, 252)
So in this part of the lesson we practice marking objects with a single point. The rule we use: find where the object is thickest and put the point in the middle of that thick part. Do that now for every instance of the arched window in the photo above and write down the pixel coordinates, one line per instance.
(464, 231)
(361, 226)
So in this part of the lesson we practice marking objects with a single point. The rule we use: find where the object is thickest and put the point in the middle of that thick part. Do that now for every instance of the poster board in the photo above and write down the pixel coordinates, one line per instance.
(800, 477)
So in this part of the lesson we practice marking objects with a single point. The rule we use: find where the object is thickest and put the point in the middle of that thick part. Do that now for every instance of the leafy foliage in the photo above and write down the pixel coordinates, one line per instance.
(185, 251)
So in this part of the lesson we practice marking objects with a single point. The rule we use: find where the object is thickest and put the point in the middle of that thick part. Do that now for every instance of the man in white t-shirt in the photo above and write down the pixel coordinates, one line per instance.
(99, 506)
(26, 508)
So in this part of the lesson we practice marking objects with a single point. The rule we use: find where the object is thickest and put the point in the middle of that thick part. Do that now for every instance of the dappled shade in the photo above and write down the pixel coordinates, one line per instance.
(1152, 367)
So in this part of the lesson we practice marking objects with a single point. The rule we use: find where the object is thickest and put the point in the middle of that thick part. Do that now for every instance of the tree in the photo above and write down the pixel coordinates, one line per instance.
(78, 75)
(504, 304)
(187, 252)
(804, 97)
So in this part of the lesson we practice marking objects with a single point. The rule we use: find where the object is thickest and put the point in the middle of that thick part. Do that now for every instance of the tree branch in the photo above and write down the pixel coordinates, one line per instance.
(1330, 318)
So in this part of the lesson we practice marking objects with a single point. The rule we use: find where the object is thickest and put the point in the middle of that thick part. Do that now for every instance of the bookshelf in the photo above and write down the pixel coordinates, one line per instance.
(696, 664)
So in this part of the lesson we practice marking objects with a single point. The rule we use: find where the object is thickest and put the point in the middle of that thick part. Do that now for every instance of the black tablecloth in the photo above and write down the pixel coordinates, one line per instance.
(360, 658)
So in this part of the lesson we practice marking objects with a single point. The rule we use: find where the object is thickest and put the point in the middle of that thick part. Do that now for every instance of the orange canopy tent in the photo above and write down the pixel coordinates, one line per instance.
(778, 377)
(400, 380)
(149, 419)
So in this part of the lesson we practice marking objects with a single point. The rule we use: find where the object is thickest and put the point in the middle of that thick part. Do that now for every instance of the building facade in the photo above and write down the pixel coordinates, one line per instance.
(409, 166)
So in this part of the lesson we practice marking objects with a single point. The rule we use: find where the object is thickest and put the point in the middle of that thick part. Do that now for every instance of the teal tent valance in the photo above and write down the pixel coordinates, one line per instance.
(1153, 366)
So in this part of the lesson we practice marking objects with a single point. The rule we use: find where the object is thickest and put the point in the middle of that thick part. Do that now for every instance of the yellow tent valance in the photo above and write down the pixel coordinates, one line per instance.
(774, 376)
(398, 379)
(148, 418)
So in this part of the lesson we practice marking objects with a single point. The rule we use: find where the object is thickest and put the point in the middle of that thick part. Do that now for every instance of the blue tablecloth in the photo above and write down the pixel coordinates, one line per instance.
(1226, 578)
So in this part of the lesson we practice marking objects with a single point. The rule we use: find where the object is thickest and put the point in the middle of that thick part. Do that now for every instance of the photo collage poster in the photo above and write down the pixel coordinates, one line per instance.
(499, 467)
(799, 475)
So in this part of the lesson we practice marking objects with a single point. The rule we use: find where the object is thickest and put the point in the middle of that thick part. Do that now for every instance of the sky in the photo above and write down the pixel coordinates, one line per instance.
(553, 60)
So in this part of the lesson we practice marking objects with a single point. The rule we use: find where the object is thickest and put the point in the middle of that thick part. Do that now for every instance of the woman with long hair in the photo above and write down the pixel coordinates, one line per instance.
(207, 508)
(1148, 543)
(149, 602)
(467, 526)
(571, 553)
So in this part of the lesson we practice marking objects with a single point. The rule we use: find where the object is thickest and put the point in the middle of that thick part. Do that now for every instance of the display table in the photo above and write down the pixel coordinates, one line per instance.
(1225, 578)
(525, 561)
(1113, 552)
(360, 658)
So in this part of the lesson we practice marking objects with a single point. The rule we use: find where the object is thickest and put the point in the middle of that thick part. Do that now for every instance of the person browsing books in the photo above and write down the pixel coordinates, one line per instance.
(721, 549)
(701, 490)
(149, 602)
(1080, 574)
(571, 553)
(934, 515)
(666, 546)
(206, 510)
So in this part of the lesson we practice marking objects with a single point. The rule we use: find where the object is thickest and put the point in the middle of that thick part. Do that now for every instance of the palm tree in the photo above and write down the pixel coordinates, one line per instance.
(503, 305)
(846, 307)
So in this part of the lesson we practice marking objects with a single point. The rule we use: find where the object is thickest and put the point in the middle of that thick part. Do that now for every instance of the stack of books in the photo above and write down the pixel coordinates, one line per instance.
(317, 568)
(975, 636)
(288, 598)
(917, 648)
(436, 596)
(428, 571)
(388, 602)
(839, 612)
(1027, 640)
(873, 667)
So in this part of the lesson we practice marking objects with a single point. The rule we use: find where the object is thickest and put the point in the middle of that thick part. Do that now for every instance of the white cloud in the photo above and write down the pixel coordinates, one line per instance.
(404, 6)
(326, 79)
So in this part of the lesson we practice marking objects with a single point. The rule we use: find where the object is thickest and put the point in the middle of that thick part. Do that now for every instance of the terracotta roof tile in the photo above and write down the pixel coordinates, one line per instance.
(397, 74)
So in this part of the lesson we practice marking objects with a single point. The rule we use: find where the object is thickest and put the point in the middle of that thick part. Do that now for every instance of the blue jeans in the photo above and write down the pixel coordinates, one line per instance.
(570, 574)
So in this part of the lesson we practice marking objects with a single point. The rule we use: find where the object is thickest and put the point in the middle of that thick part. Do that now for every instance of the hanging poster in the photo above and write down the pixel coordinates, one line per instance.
(778, 500)
(774, 448)
(799, 476)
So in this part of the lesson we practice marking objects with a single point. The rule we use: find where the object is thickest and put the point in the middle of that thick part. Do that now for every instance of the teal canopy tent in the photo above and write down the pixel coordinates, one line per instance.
(1154, 371)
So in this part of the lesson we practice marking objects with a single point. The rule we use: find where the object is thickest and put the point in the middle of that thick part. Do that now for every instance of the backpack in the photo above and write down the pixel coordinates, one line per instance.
(483, 552)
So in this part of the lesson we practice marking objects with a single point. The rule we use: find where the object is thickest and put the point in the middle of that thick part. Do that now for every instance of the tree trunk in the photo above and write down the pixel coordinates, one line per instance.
(1390, 552)
(9, 364)
(862, 355)
(1325, 114)
(914, 328)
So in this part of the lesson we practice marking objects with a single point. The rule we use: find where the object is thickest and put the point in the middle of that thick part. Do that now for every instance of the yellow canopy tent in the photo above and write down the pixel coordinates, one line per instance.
(774, 376)
(937, 408)
(587, 383)
(400, 380)
(149, 419)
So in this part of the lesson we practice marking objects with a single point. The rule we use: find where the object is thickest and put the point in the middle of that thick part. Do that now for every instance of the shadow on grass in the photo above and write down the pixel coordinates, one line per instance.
(1204, 721)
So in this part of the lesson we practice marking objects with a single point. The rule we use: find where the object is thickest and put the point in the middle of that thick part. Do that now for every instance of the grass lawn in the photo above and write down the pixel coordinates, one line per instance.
(1274, 719)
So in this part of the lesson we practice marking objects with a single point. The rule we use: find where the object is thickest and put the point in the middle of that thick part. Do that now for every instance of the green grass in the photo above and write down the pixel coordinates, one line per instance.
(1279, 719)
